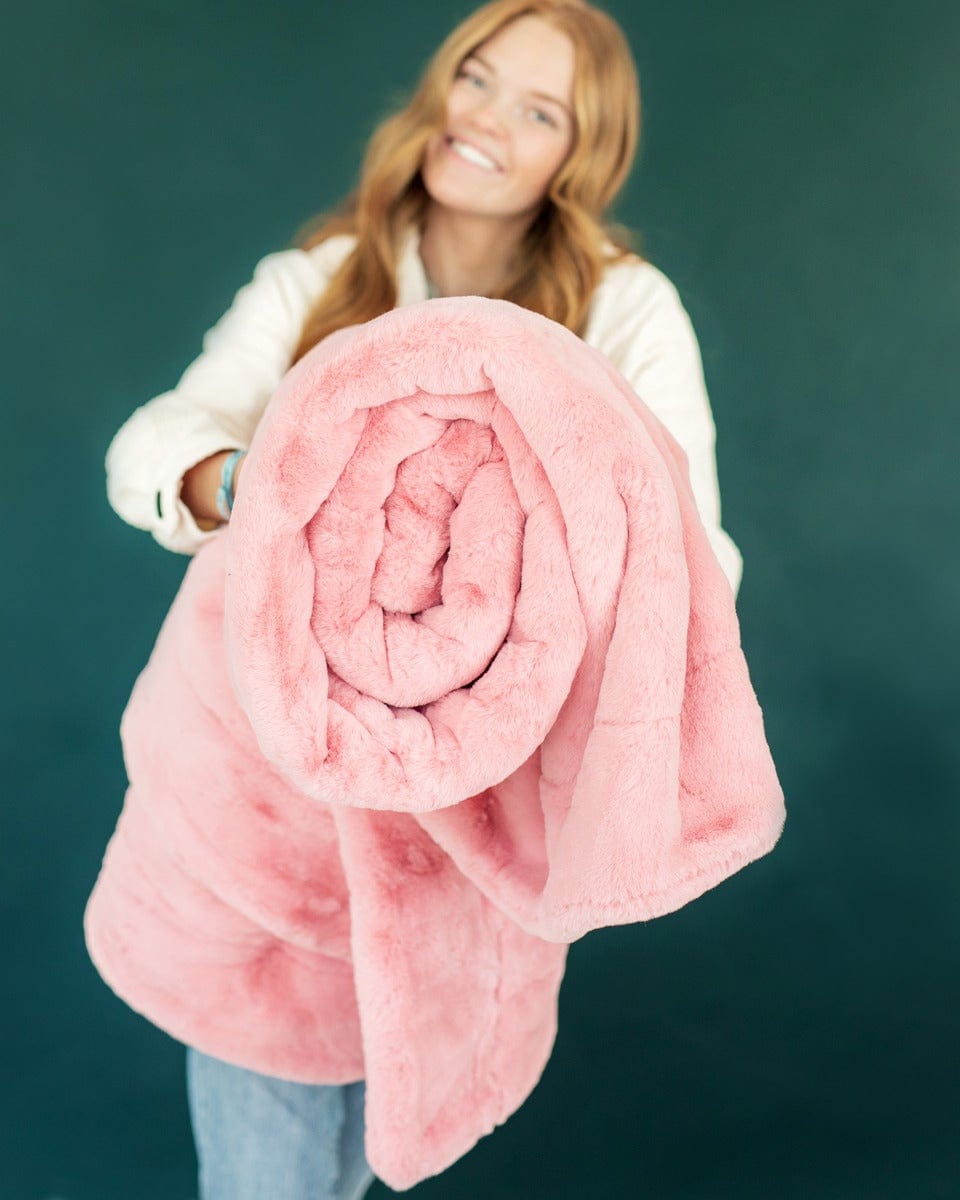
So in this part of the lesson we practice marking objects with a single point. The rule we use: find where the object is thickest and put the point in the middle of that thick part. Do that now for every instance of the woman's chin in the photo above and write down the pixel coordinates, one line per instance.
(446, 194)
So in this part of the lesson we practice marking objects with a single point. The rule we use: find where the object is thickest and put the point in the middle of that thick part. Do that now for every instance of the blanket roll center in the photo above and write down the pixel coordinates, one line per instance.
(426, 529)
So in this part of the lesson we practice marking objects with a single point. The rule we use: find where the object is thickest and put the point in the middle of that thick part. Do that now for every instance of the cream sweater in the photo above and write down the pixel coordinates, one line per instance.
(636, 319)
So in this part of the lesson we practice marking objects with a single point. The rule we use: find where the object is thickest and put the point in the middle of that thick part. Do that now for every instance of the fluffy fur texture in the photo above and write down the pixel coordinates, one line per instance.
(460, 681)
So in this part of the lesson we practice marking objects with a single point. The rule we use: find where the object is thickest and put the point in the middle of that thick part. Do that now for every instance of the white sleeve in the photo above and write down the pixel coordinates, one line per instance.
(653, 345)
(218, 401)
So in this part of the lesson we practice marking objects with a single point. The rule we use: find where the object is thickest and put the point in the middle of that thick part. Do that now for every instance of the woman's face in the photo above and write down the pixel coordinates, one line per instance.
(512, 100)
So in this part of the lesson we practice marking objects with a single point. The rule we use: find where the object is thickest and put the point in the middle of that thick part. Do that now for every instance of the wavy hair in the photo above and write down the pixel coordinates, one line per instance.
(562, 255)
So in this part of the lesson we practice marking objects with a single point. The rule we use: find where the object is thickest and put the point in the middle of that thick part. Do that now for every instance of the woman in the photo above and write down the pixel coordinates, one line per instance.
(492, 181)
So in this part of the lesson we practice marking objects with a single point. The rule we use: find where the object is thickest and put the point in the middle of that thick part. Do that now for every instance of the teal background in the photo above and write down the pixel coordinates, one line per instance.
(793, 1033)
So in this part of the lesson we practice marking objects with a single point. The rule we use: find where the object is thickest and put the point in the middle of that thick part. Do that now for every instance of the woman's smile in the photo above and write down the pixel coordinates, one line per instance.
(470, 155)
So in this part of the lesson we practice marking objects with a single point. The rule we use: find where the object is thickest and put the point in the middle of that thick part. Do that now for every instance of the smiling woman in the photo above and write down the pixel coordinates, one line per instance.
(493, 180)
(548, 91)
(509, 128)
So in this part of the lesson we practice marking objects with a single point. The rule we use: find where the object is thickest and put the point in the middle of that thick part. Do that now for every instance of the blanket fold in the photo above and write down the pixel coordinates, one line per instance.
(460, 682)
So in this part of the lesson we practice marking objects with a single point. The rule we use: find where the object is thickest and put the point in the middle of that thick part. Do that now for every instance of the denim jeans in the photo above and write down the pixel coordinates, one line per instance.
(261, 1138)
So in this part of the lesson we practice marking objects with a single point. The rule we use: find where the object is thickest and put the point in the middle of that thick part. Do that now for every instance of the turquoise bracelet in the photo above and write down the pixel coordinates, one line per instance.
(225, 491)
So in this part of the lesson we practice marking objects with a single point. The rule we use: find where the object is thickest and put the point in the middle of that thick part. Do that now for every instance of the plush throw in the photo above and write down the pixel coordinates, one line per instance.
(460, 682)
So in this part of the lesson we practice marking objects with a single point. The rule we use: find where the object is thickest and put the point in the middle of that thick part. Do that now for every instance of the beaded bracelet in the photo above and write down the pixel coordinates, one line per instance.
(225, 491)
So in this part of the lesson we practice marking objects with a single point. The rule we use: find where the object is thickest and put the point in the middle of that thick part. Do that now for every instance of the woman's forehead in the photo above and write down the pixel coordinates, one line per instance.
(531, 52)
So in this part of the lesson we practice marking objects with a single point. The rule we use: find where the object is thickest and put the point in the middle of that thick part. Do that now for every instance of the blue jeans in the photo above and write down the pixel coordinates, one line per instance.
(260, 1138)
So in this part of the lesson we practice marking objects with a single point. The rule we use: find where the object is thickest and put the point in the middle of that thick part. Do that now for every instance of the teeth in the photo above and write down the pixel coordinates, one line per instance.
(472, 155)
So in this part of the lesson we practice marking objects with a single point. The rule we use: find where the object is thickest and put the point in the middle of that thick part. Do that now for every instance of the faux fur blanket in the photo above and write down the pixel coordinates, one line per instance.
(460, 681)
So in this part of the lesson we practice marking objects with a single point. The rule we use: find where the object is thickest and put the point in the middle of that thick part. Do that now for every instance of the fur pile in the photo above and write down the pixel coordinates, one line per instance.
(460, 682)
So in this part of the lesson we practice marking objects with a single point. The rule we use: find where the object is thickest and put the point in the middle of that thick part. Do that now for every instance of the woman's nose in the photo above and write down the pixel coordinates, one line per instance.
(490, 121)
(493, 112)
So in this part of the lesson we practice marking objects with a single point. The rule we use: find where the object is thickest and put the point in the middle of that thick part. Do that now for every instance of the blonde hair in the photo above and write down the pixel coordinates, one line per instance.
(562, 256)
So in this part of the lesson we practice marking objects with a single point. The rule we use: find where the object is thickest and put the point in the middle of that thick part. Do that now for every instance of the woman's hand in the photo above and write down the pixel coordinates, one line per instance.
(201, 484)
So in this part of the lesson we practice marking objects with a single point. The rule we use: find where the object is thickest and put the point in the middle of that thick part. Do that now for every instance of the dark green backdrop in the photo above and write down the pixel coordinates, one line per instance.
(794, 1032)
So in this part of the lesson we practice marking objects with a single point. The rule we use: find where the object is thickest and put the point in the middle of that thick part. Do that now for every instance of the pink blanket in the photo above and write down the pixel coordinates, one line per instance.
(460, 681)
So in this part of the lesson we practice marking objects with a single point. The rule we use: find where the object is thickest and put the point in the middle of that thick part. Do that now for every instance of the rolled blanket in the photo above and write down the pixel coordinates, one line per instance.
(460, 681)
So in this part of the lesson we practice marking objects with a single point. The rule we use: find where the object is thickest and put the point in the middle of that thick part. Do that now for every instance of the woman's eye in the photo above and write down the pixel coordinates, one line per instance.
(462, 73)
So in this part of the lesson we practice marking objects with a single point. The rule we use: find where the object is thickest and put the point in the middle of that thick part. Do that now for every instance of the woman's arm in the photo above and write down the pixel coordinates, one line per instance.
(201, 484)
(163, 460)
(639, 322)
